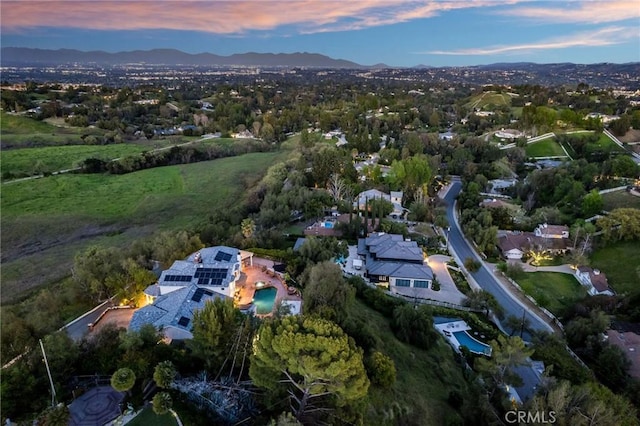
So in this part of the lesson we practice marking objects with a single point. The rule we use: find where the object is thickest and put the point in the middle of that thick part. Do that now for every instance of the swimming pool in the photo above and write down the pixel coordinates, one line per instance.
(264, 299)
(472, 344)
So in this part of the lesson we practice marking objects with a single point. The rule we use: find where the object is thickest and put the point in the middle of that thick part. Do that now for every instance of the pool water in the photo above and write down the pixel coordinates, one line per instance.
(472, 344)
(264, 299)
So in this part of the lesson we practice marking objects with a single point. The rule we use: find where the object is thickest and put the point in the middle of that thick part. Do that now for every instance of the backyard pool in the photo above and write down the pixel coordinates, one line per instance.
(264, 299)
(472, 344)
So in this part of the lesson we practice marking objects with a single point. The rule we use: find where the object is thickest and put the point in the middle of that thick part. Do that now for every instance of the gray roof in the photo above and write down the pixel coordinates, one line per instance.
(168, 309)
(393, 247)
(400, 270)
(219, 257)
(299, 242)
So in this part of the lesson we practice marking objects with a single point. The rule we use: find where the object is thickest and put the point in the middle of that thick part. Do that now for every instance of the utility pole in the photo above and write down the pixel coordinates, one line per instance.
(46, 363)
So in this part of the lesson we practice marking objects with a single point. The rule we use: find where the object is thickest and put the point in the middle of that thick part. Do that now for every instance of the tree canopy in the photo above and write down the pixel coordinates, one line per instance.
(313, 358)
(326, 292)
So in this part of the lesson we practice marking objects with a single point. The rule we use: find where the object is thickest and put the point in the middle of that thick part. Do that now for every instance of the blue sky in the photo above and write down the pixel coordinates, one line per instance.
(395, 32)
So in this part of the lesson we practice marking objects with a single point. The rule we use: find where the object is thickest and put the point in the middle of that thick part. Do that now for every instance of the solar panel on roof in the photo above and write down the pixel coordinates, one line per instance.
(183, 321)
(178, 278)
(197, 296)
(222, 256)
(203, 281)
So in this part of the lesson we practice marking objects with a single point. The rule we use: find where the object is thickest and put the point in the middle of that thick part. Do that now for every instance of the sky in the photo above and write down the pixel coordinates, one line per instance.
(394, 32)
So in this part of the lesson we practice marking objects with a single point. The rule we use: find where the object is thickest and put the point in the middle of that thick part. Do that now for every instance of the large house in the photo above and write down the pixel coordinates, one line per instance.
(186, 286)
(391, 260)
(545, 238)
(395, 198)
(595, 281)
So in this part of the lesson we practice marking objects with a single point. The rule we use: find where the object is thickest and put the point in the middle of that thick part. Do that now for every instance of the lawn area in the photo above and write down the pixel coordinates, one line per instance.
(619, 261)
(148, 417)
(45, 222)
(545, 148)
(489, 98)
(21, 131)
(32, 161)
(619, 199)
(424, 378)
(553, 290)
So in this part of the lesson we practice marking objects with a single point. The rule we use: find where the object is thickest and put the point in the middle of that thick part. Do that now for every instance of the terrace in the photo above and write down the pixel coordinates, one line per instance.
(255, 278)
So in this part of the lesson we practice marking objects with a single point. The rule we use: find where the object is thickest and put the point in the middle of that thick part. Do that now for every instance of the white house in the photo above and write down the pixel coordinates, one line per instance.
(395, 198)
(551, 231)
(594, 280)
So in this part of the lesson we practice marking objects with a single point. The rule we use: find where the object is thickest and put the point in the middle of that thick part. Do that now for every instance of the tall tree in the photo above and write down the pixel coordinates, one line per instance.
(326, 292)
(313, 359)
(213, 330)
(498, 371)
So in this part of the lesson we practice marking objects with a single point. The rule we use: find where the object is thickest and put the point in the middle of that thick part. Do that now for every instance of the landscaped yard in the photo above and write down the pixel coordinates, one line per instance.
(620, 262)
(619, 199)
(148, 417)
(424, 378)
(553, 290)
(545, 148)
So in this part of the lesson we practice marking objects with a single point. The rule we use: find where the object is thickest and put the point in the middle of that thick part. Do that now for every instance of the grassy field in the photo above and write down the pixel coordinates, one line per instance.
(53, 158)
(553, 290)
(45, 222)
(21, 131)
(620, 261)
(619, 199)
(545, 148)
(489, 98)
(424, 379)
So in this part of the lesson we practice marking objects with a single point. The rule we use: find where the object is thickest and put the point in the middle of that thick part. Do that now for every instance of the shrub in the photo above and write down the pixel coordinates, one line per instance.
(123, 379)
(381, 369)
(472, 265)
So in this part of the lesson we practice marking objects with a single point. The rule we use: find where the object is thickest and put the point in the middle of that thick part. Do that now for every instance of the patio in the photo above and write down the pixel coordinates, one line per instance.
(246, 286)
(96, 407)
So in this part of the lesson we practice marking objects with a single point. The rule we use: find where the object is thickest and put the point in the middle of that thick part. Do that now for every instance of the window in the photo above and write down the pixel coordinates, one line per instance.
(420, 284)
(403, 283)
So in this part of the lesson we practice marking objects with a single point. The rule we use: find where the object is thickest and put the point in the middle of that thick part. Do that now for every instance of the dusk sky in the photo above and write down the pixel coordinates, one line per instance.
(395, 32)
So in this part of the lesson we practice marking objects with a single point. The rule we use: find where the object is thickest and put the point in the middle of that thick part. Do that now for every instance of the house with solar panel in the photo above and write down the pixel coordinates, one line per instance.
(186, 286)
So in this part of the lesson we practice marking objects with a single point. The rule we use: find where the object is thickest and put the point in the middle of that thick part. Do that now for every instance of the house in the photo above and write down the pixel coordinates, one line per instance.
(515, 244)
(595, 281)
(446, 136)
(551, 231)
(187, 285)
(391, 260)
(173, 312)
(395, 198)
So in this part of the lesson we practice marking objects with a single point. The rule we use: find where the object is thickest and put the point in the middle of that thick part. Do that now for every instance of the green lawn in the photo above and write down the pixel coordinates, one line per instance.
(21, 131)
(45, 222)
(619, 199)
(620, 262)
(545, 148)
(30, 161)
(553, 290)
(424, 378)
(489, 98)
(148, 417)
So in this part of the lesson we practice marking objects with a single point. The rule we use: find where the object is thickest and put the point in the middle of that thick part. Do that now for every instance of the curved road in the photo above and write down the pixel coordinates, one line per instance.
(484, 277)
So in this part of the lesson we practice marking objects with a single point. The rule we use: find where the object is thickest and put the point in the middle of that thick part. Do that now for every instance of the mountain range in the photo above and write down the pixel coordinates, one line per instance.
(23, 56)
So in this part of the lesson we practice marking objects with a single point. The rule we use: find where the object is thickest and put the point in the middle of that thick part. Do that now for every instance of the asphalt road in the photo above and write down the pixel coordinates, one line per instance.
(484, 277)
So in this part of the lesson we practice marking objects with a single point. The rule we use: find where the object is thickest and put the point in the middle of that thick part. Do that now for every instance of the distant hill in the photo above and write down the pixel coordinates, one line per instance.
(23, 56)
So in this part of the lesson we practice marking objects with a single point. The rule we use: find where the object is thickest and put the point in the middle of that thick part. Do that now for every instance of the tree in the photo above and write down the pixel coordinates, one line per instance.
(484, 300)
(213, 329)
(413, 325)
(592, 203)
(588, 404)
(327, 294)
(410, 174)
(621, 224)
(123, 379)
(313, 359)
(164, 374)
(381, 369)
(471, 264)
(162, 403)
(506, 354)
(248, 227)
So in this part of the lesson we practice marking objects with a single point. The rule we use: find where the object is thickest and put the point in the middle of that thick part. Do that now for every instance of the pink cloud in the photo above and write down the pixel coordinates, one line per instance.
(590, 12)
(224, 17)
